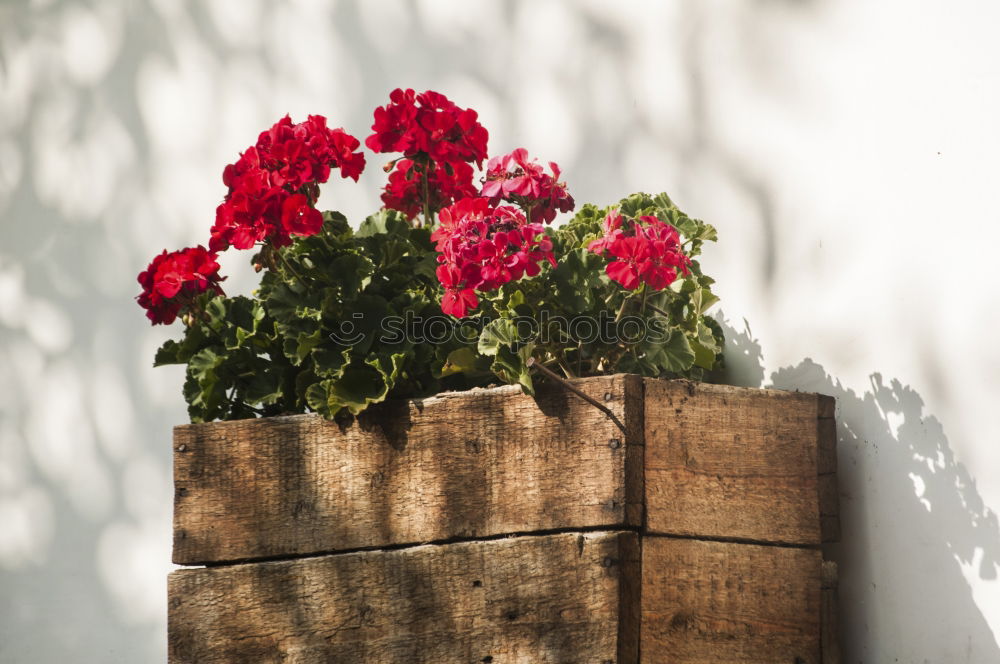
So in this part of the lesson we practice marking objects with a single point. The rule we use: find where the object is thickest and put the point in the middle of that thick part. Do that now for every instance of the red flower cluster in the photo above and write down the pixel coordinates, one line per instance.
(274, 184)
(173, 279)
(482, 247)
(428, 123)
(447, 183)
(438, 141)
(651, 253)
(514, 179)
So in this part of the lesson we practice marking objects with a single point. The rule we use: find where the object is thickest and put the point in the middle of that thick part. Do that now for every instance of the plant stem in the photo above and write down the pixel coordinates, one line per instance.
(658, 310)
(427, 196)
(586, 397)
(621, 309)
(288, 265)
(564, 365)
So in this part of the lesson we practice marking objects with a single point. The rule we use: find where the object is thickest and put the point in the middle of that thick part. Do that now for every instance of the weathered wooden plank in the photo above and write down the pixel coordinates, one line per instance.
(830, 527)
(827, 406)
(629, 598)
(827, 460)
(720, 462)
(731, 462)
(713, 602)
(829, 496)
(555, 598)
(467, 464)
(829, 618)
(829, 508)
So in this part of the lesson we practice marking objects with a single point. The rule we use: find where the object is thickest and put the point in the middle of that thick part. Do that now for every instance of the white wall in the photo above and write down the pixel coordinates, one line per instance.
(847, 152)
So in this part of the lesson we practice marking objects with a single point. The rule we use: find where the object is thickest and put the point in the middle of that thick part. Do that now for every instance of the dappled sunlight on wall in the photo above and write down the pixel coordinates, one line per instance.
(916, 524)
(105, 143)
(916, 532)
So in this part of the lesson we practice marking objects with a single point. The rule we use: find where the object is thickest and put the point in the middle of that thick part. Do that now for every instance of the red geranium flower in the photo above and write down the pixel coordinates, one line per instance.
(428, 123)
(394, 124)
(438, 141)
(482, 247)
(458, 297)
(630, 252)
(173, 279)
(650, 253)
(447, 183)
(273, 183)
(515, 179)
(611, 226)
(300, 218)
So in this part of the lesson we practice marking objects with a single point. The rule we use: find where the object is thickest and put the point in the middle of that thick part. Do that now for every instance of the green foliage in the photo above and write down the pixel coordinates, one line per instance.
(343, 320)
(677, 339)
(235, 367)
(314, 337)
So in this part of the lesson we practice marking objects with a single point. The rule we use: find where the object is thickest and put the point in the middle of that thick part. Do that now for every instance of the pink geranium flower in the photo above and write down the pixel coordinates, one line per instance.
(516, 179)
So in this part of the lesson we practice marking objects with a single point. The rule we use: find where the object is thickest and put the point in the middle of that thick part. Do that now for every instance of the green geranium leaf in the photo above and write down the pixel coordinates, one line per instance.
(577, 278)
(334, 223)
(285, 303)
(362, 323)
(264, 386)
(351, 270)
(497, 334)
(663, 202)
(460, 360)
(215, 312)
(207, 392)
(298, 347)
(390, 366)
(637, 205)
(243, 316)
(426, 267)
(168, 353)
(702, 300)
(330, 362)
(389, 222)
(515, 300)
(673, 356)
(512, 366)
(204, 363)
(354, 390)
(704, 357)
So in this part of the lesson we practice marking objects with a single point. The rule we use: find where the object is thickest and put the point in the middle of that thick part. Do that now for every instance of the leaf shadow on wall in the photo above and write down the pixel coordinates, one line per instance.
(911, 518)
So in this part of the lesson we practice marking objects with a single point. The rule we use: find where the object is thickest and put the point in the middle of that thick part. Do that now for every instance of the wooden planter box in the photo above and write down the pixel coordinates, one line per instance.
(489, 526)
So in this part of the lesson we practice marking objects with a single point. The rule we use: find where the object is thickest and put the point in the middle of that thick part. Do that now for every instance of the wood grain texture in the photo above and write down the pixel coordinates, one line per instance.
(730, 462)
(827, 435)
(829, 615)
(829, 496)
(538, 599)
(829, 507)
(467, 464)
(728, 603)
(697, 460)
